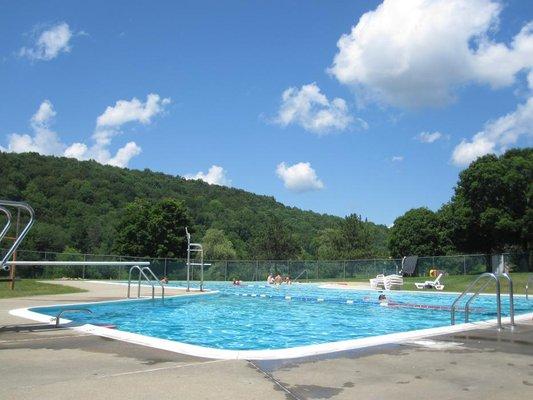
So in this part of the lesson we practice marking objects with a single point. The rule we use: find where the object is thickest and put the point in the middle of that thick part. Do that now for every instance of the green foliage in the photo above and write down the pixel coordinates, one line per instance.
(416, 233)
(352, 239)
(153, 229)
(489, 212)
(217, 246)
(274, 241)
(79, 203)
(492, 203)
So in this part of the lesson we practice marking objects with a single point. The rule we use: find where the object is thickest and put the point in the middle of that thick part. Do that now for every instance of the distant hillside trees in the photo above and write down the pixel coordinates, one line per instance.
(153, 229)
(217, 246)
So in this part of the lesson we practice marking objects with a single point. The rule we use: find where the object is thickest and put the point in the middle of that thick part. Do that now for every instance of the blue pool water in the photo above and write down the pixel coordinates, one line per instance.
(256, 316)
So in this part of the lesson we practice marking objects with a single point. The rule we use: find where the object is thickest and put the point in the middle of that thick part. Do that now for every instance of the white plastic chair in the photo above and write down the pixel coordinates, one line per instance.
(430, 284)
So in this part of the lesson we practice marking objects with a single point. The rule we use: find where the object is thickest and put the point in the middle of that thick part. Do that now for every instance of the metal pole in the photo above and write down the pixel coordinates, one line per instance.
(226, 271)
(188, 259)
(464, 265)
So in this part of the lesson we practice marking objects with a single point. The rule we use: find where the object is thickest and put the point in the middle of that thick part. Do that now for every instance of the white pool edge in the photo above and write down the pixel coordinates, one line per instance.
(275, 354)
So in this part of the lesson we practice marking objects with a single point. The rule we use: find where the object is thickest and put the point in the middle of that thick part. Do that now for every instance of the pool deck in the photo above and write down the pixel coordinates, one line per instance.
(37, 362)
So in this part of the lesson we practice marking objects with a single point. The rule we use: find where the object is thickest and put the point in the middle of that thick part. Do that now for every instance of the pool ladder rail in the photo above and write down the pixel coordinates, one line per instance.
(57, 318)
(145, 275)
(488, 276)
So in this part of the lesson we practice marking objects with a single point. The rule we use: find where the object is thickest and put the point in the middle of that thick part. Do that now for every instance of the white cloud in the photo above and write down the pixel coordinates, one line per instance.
(312, 110)
(415, 53)
(132, 111)
(397, 159)
(46, 141)
(429, 137)
(497, 135)
(50, 43)
(299, 178)
(216, 175)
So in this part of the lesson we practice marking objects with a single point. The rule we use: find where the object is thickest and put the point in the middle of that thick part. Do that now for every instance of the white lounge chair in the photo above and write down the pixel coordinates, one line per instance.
(430, 284)
(393, 281)
(386, 282)
(377, 282)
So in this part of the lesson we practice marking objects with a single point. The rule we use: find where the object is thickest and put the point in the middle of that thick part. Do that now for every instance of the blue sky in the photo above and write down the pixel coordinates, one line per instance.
(262, 96)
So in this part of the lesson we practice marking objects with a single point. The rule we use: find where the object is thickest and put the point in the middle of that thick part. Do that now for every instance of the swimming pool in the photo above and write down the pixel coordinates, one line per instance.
(261, 317)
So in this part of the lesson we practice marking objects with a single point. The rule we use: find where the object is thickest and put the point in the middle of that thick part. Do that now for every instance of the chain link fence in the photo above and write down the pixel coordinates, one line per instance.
(258, 270)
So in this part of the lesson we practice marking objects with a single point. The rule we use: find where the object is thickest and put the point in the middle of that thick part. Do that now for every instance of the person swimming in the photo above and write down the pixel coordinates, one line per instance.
(270, 279)
(383, 301)
(278, 279)
(164, 280)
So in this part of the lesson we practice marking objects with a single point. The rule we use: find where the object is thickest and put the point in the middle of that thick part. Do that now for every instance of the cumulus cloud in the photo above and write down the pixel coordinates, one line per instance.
(132, 110)
(497, 135)
(299, 178)
(415, 53)
(108, 125)
(46, 141)
(312, 110)
(216, 175)
(49, 43)
(429, 137)
(397, 158)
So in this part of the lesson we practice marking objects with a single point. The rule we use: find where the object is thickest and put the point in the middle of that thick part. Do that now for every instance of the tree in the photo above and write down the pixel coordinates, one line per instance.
(329, 243)
(356, 236)
(491, 209)
(217, 246)
(417, 232)
(153, 230)
(274, 241)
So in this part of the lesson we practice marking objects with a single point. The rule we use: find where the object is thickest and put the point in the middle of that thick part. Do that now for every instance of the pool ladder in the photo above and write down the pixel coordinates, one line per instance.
(148, 275)
(488, 276)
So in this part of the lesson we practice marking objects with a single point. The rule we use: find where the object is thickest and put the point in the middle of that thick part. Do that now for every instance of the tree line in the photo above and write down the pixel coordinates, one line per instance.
(91, 208)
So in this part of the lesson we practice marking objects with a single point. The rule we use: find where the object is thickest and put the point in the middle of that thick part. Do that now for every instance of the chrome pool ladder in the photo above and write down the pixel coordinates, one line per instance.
(489, 277)
(148, 275)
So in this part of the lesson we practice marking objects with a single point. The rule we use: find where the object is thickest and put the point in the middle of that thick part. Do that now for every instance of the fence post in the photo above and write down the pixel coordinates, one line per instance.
(464, 264)
(165, 274)
(256, 270)
(226, 271)
(83, 267)
(344, 270)
(317, 270)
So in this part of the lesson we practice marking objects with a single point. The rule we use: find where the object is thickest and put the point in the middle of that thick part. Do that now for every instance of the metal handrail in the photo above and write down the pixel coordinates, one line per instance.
(156, 280)
(511, 297)
(22, 235)
(8, 223)
(58, 316)
(306, 272)
(469, 287)
(143, 275)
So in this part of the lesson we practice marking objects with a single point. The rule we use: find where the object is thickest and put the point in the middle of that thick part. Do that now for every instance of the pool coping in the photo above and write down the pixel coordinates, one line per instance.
(269, 354)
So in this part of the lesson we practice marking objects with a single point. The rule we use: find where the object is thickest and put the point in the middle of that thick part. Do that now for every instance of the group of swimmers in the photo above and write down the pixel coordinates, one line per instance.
(278, 280)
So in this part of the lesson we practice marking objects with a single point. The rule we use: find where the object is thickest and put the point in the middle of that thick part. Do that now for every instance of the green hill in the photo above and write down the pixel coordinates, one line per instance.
(78, 204)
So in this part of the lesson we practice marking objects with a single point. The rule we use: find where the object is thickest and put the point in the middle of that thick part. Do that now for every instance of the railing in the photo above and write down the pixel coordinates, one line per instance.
(306, 272)
(8, 222)
(70, 310)
(496, 279)
(19, 205)
(467, 290)
(147, 279)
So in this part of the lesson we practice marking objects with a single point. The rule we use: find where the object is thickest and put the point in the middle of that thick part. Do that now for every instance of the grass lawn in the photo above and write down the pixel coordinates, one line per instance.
(32, 287)
(457, 283)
